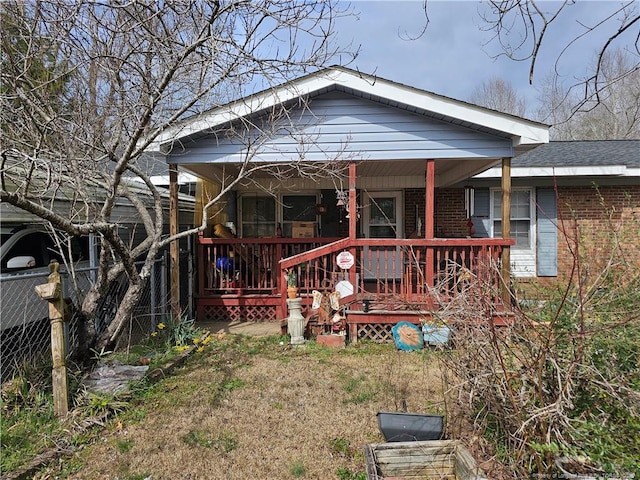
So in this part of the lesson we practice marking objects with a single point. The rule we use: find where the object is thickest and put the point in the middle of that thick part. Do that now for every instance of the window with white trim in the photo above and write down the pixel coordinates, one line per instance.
(521, 215)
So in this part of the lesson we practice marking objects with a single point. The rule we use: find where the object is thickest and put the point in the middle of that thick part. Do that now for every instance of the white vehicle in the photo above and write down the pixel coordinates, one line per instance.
(25, 253)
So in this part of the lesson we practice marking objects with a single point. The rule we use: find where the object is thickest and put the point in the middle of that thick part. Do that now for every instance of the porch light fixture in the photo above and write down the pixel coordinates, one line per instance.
(469, 194)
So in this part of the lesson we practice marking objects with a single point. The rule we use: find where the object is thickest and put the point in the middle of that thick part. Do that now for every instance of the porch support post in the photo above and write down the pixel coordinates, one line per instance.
(429, 219)
(429, 212)
(505, 270)
(353, 211)
(174, 249)
(353, 219)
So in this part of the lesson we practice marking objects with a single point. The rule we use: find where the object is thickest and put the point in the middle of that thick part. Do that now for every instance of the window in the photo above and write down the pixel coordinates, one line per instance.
(383, 221)
(520, 216)
(258, 216)
(297, 208)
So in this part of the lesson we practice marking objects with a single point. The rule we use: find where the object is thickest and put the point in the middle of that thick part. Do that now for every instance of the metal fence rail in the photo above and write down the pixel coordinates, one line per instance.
(24, 316)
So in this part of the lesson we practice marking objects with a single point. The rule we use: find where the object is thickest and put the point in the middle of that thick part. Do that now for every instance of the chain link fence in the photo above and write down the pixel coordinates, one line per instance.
(25, 316)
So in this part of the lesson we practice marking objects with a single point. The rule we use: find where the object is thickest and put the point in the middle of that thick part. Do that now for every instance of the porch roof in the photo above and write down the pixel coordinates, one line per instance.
(338, 113)
(523, 133)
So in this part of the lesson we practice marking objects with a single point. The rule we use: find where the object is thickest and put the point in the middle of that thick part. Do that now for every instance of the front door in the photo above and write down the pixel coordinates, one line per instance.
(382, 219)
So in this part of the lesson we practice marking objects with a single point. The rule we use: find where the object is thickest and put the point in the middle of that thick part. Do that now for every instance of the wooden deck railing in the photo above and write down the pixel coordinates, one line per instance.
(249, 265)
(409, 270)
(406, 269)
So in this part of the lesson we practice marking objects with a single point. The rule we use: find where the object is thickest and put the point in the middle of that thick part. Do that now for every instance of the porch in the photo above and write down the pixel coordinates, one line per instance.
(358, 160)
(392, 280)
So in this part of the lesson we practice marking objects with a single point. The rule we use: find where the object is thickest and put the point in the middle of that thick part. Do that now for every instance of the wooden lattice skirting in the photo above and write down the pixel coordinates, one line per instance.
(376, 332)
(232, 313)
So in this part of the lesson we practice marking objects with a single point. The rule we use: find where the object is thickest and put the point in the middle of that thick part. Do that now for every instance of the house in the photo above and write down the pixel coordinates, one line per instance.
(399, 148)
(561, 192)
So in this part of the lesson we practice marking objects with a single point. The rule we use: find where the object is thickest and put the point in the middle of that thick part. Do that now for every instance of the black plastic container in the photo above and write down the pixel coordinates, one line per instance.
(410, 427)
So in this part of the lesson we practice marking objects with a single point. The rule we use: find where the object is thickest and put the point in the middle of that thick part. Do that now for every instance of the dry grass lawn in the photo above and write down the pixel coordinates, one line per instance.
(256, 409)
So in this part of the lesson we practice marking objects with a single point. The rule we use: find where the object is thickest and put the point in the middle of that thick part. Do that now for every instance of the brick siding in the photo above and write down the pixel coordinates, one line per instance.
(597, 215)
(598, 219)
(451, 219)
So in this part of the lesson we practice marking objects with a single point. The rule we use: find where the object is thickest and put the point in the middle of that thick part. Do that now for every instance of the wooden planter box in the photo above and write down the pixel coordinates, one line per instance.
(433, 459)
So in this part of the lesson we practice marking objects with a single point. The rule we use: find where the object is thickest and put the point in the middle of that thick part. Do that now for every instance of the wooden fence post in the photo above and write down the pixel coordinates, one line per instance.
(52, 292)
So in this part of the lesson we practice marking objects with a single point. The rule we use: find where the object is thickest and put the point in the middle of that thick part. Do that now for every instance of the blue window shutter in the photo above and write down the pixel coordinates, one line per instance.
(547, 245)
(481, 218)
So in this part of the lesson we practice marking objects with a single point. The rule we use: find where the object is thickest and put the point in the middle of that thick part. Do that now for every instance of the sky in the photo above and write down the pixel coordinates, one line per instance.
(455, 55)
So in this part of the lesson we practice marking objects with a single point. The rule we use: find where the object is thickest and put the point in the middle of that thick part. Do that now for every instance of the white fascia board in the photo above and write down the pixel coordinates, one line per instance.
(243, 107)
(598, 171)
(523, 131)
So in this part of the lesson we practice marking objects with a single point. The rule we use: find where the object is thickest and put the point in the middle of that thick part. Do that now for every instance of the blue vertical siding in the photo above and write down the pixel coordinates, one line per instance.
(481, 218)
(547, 245)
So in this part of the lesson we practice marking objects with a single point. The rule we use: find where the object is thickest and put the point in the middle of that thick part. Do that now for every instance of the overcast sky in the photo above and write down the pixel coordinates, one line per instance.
(453, 56)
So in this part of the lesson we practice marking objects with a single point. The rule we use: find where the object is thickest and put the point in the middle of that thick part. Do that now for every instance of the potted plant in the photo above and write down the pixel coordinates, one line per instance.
(292, 287)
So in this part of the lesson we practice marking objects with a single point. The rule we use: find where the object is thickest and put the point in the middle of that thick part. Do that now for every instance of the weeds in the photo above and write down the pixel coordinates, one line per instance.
(232, 384)
(359, 389)
(93, 404)
(562, 380)
(341, 446)
(197, 438)
(346, 474)
(124, 445)
(297, 469)
(226, 441)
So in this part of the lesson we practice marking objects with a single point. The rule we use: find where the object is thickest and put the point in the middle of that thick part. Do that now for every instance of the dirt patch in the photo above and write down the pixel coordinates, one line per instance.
(266, 411)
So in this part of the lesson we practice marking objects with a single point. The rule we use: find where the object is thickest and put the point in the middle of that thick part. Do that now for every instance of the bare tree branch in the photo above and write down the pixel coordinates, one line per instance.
(87, 87)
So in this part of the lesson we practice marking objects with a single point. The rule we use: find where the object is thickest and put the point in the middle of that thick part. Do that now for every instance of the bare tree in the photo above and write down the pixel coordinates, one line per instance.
(523, 27)
(124, 72)
(615, 114)
(499, 94)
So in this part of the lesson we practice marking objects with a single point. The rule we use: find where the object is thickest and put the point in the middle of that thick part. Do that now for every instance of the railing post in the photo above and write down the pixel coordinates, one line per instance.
(52, 292)
(353, 273)
(202, 265)
(281, 284)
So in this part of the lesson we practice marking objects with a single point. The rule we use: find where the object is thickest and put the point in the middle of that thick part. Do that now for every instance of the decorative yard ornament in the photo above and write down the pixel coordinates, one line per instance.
(295, 322)
(407, 336)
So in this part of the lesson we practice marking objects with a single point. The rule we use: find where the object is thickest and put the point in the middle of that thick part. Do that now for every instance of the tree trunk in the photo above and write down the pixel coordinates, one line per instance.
(123, 314)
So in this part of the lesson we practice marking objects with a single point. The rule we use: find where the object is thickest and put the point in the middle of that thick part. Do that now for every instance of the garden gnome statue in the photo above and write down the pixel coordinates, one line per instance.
(295, 322)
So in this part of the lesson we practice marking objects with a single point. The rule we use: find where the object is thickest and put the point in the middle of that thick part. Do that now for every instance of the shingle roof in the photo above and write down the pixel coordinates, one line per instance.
(582, 154)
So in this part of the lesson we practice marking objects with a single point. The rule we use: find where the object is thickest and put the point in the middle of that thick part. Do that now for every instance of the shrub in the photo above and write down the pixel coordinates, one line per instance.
(563, 380)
